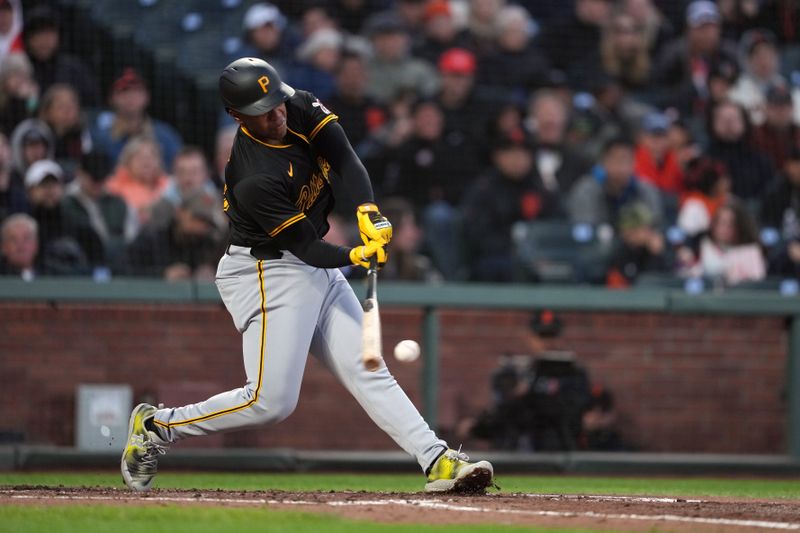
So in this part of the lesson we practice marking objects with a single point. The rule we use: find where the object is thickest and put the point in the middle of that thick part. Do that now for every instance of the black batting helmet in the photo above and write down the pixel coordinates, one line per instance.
(252, 87)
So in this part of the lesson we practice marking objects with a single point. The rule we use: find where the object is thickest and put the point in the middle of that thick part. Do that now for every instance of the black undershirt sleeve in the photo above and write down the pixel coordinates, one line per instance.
(332, 144)
(302, 240)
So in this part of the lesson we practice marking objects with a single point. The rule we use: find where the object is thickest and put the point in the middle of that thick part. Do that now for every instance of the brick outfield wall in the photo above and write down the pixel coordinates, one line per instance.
(682, 383)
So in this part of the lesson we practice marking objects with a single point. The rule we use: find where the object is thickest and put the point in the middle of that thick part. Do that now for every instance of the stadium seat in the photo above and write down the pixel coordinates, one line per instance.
(559, 252)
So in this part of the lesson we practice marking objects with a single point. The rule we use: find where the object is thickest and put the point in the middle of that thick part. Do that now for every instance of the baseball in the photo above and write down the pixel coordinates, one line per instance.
(105, 430)
(406, 351)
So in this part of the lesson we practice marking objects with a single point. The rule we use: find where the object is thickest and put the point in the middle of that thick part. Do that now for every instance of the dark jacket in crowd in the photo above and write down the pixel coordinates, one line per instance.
(568, 41)
(155, 249)
(750, 170)
(492, 205)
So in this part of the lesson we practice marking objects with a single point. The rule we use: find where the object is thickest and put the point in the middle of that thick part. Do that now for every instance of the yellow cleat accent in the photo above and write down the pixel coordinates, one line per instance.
(139, 462)
(452, 472)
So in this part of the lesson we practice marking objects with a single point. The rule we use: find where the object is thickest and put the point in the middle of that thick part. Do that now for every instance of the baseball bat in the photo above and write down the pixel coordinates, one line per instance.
(371, 351)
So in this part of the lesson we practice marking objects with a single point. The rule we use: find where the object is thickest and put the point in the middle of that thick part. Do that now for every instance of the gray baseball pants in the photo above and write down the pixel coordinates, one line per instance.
(283, 308)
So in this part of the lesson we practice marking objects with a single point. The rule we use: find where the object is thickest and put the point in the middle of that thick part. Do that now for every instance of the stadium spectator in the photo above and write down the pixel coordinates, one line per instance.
(44, 183)
(778, 135)
(266, 37)
(52, 65)
(656, 29)
(707, 186)
(61, 110)
(185, 249)
(730, 252)
(358, 114)
(351, 14)
(508, 117)
(31, 141)
(191, 175)
(139, 178)
(761, 63)
(317, 60)
(316, 16)
(682, 143)
(683, 67)
(19, 93)
(481, 24)
(10, 28)
(739, 16)
(609, 114)
(723, 76)
(557, 165)
(419, 169)
(440, 32)
(781, 211)
(19, 247)
(640, 248)
(783, 17)
(392, 69)
(412, 14)
(6, 190)
(376, 150)
(780, 208)
(750, 171)
(466, 113)
(515, 65)
(407, 263)
(623, 53)
(60, 250)
(568, 41)
(598, 197)
(128, 118)
(507, 193)
(100, 221)
(222, 152)
(656, 162)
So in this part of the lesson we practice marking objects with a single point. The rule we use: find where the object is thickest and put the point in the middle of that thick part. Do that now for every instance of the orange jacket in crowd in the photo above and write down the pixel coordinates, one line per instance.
(138, 196)
(668, 177)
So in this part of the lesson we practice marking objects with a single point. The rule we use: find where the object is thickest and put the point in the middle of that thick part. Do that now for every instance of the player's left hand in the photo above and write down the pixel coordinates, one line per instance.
(360, 255)
(372, 225)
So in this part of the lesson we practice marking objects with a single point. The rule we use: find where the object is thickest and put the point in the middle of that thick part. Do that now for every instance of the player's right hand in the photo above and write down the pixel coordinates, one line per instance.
(360, 255)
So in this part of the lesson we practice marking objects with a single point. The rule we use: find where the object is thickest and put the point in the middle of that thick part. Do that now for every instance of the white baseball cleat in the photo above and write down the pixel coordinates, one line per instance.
(452, 472)
(139, 462)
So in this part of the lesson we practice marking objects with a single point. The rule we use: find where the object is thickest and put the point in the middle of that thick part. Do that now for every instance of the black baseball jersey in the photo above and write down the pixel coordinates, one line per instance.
(268, 188)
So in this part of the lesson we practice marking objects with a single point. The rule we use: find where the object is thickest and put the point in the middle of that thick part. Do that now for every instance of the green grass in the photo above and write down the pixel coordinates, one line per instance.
(732, 487)
(173, 519)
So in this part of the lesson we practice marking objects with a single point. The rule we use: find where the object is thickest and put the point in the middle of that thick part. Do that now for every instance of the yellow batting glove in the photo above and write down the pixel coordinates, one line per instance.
(360, 255)
(372, 225)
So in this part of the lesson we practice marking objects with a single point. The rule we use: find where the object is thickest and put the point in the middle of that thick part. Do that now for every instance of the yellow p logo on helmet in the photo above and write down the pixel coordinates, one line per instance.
(263, 81)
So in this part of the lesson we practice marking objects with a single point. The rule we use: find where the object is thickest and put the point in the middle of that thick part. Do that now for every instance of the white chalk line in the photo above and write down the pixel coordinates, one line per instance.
(609, 498)
(435, 504)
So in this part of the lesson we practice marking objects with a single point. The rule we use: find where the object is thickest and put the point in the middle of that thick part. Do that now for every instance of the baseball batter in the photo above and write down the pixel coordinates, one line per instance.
(280, 282)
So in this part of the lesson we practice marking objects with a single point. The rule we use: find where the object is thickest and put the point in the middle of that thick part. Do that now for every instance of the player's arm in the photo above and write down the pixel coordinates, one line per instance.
(331, 143)
(302, 240)
(266, 201)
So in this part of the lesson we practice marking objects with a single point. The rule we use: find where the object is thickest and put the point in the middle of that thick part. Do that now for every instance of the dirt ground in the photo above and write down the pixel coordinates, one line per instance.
(621, 513)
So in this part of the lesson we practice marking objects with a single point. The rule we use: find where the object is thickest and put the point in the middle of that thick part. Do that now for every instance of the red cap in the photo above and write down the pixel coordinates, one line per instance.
(128, 80)
(457, 61)
(436, 8)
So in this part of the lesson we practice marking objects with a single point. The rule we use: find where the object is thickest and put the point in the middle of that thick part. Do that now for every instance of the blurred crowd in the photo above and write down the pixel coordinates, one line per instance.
(661, 136)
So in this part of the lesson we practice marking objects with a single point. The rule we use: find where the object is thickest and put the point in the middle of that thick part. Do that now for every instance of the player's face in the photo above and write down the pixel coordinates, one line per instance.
(270, 127)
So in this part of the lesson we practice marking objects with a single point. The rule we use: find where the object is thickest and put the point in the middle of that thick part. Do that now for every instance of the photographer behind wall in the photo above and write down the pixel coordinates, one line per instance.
(543, 400)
